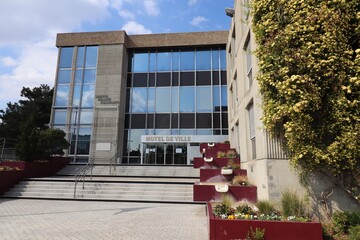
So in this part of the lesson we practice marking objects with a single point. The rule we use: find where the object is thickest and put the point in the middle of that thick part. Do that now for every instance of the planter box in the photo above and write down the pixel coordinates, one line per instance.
(205, 192)
(218, 146)
(214, 175)
(9, 178)
(39, 169)
(212, 152)
(216, 162)
(223, 229)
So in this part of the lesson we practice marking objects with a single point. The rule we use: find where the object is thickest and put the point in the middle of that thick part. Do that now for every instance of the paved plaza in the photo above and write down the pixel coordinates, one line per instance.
(45, 219)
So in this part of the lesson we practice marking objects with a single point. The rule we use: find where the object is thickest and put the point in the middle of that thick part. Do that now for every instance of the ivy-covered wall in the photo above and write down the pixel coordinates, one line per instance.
(309, 78)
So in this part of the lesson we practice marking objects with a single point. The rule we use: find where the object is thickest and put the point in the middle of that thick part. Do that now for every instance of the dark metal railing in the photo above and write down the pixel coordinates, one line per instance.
(82, 173)
(113, 162)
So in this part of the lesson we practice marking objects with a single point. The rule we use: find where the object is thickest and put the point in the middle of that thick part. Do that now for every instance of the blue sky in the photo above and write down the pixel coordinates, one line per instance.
(28, 30)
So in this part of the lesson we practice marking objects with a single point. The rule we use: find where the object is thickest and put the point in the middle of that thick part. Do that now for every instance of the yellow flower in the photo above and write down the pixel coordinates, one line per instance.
(231, 217)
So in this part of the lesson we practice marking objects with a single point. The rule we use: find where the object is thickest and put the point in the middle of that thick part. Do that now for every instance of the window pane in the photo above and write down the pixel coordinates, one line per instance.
(187, 131)
(135, 139)
(138, 121)
(203, 60)
(203, 99)
(223, 96)
(78, 76)
(223, 59)
(86, 117)
(204, 132)
(75, 116)
(175, 61)
(66, 57)
(76, 96)
(175, 99)
(152, 62)
(187, 99)
(187, 60)
(62, 95)
(80, 57)
(138, 100)
(83, 147)
(215, 59)
(59, 117)
(164, 61)
(216, 98)
(162, 132)
(151, 100)
(163, 100)
(64, 76)
(91, 57)
(162, 121)
(88, 96)
(89, 76)
(141, 62)
(84, 134)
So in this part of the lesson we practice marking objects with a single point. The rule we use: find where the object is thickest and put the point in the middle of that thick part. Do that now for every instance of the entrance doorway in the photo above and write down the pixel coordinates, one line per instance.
(165, 153)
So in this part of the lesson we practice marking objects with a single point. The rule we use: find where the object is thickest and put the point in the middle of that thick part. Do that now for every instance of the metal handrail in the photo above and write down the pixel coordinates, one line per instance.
(113, 162)
(81, 174)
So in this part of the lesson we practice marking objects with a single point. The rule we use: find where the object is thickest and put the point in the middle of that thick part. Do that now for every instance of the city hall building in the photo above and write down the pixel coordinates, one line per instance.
(141, 99)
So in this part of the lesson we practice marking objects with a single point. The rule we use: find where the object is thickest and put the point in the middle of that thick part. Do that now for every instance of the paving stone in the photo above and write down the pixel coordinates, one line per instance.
(57, 220)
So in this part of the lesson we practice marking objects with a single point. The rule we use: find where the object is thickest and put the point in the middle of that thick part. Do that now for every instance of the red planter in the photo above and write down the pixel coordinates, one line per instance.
(215, 163)
(207, 192)
(223, 229)
(218, 146)
(213, 152)
(212, 175)
(9, 178)
(39, 169)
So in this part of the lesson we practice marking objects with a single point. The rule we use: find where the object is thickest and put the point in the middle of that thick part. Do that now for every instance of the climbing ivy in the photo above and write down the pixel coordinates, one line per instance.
(309, 77)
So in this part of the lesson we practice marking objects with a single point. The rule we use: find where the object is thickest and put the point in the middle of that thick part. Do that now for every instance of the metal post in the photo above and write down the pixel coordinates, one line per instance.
(2, 150)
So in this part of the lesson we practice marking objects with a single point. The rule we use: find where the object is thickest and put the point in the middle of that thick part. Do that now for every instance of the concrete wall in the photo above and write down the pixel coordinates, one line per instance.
(109, 111)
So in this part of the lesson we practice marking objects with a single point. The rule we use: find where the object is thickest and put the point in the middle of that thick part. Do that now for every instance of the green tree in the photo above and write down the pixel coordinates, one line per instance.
(309, 77)
(27, 122)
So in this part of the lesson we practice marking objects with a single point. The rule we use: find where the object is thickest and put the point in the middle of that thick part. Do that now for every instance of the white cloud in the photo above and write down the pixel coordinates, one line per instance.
(24, 21)
(133, 27)
(197, 21)
(126, 14)
(8, 61)
(35, 65)
(28, 28)
(151, 7)
(192, 2)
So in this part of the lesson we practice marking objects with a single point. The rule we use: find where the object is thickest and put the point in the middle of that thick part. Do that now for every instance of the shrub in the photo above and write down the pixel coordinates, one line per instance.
(265, 207)
(258, 234)
(343, 221)
(239, 180)
(292, 204)
(354, 233)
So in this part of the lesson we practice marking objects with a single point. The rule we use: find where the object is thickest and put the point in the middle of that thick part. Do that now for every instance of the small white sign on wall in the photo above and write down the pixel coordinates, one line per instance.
(103, 146)
(178, 150)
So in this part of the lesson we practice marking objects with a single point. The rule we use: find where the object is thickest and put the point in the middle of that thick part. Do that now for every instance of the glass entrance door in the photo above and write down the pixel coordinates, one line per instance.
(165, 153)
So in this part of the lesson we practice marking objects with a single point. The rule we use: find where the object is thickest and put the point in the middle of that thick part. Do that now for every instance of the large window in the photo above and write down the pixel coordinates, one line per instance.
(180, 91)
(81, 102)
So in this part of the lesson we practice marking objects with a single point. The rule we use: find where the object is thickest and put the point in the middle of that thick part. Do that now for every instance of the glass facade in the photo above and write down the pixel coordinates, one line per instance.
(174, 92)
(74, 97)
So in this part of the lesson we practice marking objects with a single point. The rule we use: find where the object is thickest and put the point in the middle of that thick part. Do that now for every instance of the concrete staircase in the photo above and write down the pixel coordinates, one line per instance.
(139, 183)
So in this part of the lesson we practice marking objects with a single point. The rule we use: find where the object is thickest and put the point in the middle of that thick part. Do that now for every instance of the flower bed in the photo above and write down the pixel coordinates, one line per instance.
(226, 229)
